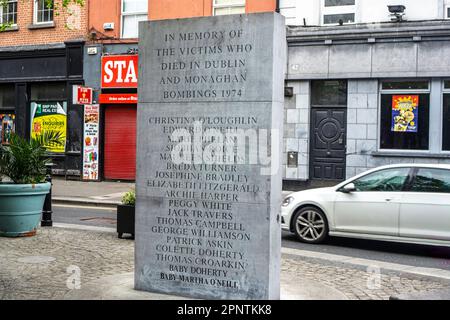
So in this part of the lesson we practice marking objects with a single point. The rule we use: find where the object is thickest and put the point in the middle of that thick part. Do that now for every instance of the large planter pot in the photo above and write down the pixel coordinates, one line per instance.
(21, 208)
(125, 220)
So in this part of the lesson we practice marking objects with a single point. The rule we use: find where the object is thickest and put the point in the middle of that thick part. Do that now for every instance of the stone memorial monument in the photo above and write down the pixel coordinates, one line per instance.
(209, 148)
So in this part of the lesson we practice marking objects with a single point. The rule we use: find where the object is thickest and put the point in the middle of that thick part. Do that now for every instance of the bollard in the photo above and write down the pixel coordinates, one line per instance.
(47, 210)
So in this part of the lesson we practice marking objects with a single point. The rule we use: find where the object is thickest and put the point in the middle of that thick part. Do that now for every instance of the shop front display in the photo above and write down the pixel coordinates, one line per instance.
(405, 115)
(50, 118)
(36, 97)
(446, 117)
(7, 127)
(118, 101)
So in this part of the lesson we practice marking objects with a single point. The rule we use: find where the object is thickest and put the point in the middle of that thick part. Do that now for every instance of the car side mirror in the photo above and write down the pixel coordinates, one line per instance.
(348, 188)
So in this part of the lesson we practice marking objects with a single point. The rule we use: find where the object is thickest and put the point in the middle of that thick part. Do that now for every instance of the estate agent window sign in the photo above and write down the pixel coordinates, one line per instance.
(50, 117)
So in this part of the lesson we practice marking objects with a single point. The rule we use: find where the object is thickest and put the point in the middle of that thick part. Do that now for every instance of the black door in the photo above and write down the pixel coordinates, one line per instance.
(328, 143)
(328, 137)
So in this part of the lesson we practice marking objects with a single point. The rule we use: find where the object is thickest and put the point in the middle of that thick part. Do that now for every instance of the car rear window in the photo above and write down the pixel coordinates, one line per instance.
(432, 180)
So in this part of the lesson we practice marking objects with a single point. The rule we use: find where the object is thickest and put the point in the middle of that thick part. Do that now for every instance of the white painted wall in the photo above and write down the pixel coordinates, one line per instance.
(366, 10)
(297, 10)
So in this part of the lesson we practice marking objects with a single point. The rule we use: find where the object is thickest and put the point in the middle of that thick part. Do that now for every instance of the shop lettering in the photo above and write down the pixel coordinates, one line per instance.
(53, 123)
(116, 70)
(119, 72)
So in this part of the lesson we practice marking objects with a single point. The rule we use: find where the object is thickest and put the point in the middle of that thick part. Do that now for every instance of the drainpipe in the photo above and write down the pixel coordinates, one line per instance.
(277, 8)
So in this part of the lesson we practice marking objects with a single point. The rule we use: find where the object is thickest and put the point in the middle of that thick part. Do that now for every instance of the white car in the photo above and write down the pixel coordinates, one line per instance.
(402, 203)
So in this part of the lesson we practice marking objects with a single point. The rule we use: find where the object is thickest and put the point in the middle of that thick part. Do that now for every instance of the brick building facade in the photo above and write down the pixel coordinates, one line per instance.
(68, 24)
(41, 58)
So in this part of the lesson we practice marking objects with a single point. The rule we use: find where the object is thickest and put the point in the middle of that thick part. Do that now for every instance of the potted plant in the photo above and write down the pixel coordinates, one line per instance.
(22, 195)
(125, 214)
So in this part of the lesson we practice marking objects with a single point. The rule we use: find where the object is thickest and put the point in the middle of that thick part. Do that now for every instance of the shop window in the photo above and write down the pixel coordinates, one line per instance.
(49, 91)
(405, 85)
(48, 113)
(133, 12)
(7, 127)
(432, 180)
(223, 7)
(8, 12)
(7, 115)
(43, 11)
(446, 123)
(7, 98)
(405, 116)
(329, 93)
(338, 11)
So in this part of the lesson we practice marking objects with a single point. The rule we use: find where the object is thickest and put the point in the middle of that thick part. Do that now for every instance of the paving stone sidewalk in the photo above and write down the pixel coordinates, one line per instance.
(101, 254)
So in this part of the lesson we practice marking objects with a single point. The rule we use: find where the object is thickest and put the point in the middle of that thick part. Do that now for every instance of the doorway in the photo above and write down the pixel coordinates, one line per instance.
(328, 135)
(120, 142)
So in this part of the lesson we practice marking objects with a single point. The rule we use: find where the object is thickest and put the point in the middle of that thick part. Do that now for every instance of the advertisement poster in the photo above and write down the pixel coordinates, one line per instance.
(82, 95)
(405, 113)
(7, 127)
(91, 141)
(50, 117)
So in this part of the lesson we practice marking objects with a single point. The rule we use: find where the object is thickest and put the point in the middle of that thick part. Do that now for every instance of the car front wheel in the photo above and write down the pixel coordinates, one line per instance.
(310, 225)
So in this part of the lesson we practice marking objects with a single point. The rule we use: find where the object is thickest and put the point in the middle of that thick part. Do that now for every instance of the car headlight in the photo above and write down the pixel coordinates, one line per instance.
(287, 201)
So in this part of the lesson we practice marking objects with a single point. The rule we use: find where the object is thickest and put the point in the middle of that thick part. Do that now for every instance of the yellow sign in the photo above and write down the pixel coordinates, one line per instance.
(50, 117)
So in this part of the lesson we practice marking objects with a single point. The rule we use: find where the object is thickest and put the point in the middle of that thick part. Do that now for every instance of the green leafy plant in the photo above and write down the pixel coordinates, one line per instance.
(24, 161)
(129, 198)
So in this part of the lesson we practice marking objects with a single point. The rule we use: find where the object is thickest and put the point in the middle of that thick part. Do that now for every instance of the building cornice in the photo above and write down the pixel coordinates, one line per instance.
(370, 32)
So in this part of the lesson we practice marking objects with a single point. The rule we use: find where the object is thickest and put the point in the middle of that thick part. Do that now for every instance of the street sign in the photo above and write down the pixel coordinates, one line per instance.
(82, 95)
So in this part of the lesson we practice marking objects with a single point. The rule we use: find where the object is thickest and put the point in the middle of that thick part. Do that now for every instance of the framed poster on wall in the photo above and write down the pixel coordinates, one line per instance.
(50, 117)
(91, 142)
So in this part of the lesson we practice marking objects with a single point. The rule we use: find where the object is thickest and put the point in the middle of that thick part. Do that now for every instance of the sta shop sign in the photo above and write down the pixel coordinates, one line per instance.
(120, 71)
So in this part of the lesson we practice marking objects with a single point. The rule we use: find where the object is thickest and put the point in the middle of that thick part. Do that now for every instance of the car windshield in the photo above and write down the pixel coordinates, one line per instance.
(384, 180)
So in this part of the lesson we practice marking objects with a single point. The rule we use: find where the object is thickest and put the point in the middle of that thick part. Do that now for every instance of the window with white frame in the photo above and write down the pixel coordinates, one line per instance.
(43, 11)
(133, 11)
(8, 12)
(223, 7)
(338, 11)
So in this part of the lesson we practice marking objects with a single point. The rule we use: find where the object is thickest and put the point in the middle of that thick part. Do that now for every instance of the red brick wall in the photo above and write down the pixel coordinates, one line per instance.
(77, 29)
